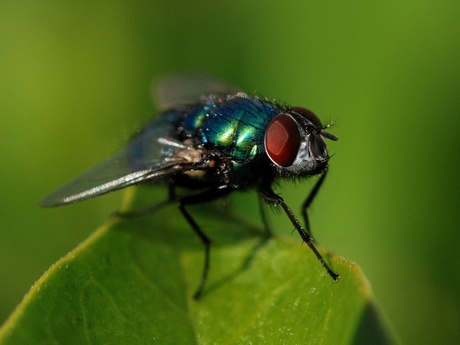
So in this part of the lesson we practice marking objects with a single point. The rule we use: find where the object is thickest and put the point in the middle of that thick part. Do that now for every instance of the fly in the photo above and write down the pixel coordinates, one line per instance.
(213, 139)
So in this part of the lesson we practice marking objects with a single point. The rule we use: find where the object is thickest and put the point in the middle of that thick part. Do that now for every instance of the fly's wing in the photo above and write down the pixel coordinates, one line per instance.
(190, 88)
(148, 156)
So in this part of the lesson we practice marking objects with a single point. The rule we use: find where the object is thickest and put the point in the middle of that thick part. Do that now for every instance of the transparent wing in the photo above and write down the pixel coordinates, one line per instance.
(147, 157)
(189, 88)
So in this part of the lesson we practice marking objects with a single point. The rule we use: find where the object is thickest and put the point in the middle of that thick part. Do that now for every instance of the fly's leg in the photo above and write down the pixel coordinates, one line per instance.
(203, 197)
(268, 195)
(306, 204)
(151, 209)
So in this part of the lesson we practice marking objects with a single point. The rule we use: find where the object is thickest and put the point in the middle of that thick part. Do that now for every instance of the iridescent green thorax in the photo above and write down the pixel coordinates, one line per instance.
(236, 126)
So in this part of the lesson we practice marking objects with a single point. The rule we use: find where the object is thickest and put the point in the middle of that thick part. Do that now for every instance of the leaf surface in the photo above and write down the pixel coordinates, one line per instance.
(133, 280)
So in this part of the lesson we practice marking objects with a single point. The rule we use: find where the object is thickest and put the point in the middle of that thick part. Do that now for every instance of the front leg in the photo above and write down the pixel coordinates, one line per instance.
(309, 200)
(271, 197)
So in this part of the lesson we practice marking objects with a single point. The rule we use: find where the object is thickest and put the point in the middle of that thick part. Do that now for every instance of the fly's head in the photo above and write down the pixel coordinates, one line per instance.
(295, 143)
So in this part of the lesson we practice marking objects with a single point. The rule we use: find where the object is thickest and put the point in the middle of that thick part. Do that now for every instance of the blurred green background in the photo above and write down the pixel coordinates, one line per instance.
(75, 81)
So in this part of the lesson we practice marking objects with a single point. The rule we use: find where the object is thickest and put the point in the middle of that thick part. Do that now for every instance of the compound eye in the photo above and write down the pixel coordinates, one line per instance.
(282, 140)
(309, 115)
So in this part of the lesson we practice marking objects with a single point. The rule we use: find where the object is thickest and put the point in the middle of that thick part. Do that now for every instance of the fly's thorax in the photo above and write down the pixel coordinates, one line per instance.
(294, 143)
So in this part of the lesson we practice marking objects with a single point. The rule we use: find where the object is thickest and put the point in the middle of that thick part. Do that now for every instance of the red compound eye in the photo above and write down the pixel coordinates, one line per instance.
(309, 116)
(282, 140)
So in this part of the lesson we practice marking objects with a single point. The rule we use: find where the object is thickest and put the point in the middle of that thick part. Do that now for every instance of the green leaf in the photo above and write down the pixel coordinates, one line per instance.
(132, 282)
